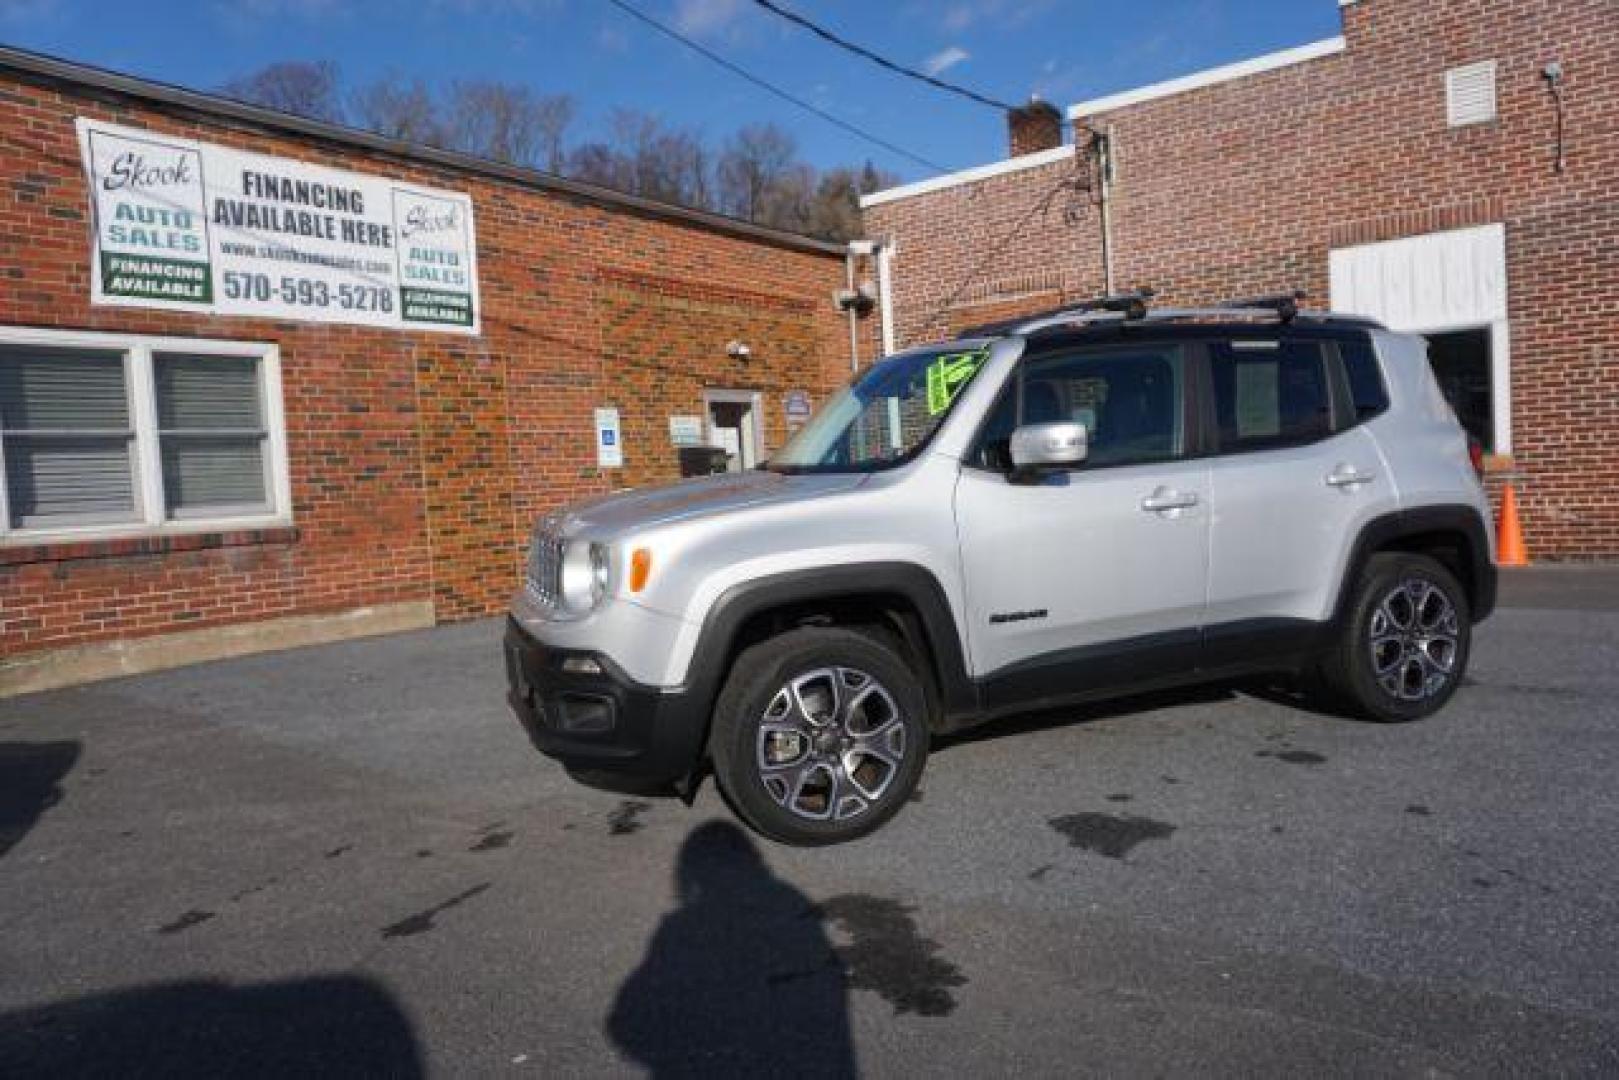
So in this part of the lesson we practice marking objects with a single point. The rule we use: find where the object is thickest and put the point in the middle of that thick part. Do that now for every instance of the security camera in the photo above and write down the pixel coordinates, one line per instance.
(738, 350)
(859, 300)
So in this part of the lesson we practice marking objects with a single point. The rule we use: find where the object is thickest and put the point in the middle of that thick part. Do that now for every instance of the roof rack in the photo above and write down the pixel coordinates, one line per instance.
(1285, 304)
(1131, 307)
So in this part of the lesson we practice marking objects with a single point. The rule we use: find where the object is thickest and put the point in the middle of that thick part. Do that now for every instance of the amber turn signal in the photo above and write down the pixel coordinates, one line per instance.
(640, 569)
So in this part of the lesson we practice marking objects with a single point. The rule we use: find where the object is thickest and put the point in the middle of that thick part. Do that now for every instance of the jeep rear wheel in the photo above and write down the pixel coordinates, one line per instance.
(820, 735)
(1404, 648)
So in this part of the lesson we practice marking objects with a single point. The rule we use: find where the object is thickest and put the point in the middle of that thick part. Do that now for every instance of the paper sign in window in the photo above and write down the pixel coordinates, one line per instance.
(1258, 411)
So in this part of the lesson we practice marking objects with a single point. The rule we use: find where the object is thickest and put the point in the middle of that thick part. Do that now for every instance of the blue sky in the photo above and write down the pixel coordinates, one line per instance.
(1064, 50)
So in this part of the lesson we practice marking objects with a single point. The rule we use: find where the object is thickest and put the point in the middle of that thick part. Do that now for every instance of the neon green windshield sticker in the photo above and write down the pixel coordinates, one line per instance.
(948, 374)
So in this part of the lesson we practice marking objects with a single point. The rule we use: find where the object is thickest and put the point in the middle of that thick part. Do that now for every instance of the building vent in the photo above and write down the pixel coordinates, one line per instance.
(1470, 94)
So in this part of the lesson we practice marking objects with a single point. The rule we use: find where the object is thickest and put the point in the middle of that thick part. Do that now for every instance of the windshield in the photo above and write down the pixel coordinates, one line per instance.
(884, 416)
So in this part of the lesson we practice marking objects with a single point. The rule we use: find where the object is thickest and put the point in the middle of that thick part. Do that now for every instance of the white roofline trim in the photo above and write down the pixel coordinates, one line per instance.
(968, 176)
(1240, 70)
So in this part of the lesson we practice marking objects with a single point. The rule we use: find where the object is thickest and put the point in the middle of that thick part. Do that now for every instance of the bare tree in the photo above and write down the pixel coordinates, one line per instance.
(670, 164)
(398, 109)
(599, 163)
(835, 212)
(754, 159)
(789, 200)
(553, 115)
(301, 87)
(756, 175)
(507, 122)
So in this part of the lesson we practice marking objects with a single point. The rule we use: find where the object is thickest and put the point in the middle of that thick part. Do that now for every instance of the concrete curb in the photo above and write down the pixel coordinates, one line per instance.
(107, 660)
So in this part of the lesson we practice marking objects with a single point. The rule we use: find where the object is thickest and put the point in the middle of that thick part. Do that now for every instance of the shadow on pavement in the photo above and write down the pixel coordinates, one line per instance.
(739, 979)
(30, 784)
(1108, 709)
(338, 1025)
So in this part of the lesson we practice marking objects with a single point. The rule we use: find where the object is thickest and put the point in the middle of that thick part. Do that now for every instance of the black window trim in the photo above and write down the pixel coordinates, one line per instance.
(1192, 403)
(1201, 418)
(1342, 366)
(1340, 402)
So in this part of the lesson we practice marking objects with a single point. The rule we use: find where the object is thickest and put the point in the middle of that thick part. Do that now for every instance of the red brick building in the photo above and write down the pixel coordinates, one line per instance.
(183, 480)
(1448, 166)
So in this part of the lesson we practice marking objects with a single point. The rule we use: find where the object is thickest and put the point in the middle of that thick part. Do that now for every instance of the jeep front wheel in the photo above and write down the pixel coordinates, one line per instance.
(820, 735)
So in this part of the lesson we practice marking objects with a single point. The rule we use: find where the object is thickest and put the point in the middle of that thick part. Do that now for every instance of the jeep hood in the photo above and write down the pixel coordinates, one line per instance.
(708, 496)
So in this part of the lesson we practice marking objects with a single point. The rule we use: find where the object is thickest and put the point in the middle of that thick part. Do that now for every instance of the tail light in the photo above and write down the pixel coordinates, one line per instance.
(1475, 454)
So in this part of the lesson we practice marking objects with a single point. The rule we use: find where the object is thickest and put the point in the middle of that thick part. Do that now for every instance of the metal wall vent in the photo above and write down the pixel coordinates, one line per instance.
(1470, 94)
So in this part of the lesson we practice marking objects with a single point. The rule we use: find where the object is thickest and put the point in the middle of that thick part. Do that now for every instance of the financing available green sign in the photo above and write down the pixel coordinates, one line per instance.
(151, 278)
(198, 227)
(151, 223)
(948, 374)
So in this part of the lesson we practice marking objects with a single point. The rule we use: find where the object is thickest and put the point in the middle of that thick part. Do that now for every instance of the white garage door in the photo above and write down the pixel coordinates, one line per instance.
(1441, 283)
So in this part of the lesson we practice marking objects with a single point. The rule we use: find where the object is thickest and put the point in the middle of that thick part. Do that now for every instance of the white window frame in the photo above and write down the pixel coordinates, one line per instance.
(153, 519)
(1493, 316)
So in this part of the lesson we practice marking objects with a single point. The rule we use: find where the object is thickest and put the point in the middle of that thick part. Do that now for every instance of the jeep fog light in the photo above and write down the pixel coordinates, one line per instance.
(584, 576)
(581, 665)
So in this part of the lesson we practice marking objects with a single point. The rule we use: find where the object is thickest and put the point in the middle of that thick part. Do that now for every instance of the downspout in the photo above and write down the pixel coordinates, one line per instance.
(885, 293)
(853, 251)
(1102, 147)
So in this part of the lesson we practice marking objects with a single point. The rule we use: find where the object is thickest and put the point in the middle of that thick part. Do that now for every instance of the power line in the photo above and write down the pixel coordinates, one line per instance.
(882, 61)
(771, 88)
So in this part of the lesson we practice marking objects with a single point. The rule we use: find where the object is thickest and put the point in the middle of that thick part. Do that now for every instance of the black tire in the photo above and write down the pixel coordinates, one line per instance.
(835, 757)
(1375, 670)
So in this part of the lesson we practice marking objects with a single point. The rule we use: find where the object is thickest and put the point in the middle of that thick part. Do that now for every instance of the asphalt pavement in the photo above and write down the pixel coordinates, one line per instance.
(348, 860)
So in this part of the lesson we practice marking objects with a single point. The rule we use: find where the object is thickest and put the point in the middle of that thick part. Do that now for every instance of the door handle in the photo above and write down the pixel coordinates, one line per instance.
(1345, 475)
(1165, 499)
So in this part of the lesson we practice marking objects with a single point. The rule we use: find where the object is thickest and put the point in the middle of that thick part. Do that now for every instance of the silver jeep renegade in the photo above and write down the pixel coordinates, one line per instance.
(1098, 501)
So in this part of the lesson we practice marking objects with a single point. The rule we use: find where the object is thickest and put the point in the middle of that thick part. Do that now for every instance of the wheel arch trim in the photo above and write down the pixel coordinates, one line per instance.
(914, 584)
(1388, 529)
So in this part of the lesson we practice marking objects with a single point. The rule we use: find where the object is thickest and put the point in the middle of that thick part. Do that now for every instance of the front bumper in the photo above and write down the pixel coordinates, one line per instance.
(605, 728)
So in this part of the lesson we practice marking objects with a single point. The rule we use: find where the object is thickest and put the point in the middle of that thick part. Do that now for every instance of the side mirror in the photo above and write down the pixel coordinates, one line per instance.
(1039, 448)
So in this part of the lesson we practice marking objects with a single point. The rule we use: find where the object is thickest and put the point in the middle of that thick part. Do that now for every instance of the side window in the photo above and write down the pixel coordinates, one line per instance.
(995, 438)
(1269, 394)
(1366, 388)
(1129, 399)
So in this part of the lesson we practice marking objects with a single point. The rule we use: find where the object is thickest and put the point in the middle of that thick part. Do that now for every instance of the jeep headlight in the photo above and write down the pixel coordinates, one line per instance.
(585, 569)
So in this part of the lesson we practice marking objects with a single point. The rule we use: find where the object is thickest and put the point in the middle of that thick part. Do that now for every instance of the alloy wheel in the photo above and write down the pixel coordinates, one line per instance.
(1415, 639)
(830, 744)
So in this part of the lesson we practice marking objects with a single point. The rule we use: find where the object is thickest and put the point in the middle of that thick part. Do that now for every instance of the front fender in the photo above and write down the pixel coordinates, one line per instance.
(706, 648)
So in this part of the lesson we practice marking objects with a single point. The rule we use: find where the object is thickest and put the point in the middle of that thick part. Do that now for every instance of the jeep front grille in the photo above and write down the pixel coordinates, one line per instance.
(545, 567)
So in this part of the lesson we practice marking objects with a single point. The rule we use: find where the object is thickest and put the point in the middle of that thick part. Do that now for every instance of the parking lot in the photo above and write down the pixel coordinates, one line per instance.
(349, 859)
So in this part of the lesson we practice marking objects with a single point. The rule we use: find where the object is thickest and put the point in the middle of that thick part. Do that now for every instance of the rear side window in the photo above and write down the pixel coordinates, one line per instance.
(1270, 394)
(1366, 389)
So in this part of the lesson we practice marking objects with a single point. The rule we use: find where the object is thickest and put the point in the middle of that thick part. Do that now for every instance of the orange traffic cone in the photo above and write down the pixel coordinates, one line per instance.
(1509, 546)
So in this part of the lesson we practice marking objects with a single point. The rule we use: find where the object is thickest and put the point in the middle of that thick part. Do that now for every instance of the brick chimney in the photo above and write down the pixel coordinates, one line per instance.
(1034, 127)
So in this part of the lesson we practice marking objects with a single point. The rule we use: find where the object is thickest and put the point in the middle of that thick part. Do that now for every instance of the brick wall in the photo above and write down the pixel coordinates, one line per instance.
(417, 460)
(1244, 186)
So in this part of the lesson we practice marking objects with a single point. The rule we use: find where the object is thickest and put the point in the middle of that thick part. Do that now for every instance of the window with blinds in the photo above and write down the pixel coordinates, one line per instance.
(65, 426)
(211, 431)
(105, 435)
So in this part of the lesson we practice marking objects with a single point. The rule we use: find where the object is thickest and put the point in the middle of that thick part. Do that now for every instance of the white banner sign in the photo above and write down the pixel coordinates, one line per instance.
(197, 227)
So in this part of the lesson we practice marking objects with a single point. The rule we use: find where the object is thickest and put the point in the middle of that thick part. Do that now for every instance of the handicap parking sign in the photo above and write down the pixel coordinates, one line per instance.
(609, 452)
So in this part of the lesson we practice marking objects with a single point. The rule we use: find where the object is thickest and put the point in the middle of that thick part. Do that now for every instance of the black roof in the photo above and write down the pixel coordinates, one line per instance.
(1132, 310)
(1115, 330)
